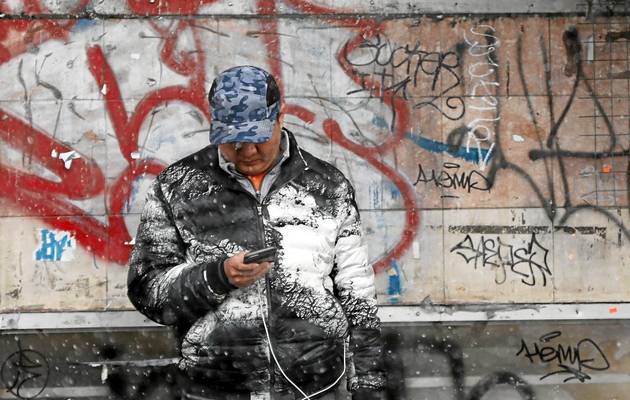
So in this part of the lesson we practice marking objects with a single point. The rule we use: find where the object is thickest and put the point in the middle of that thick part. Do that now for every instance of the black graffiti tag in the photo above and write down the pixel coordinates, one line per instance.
(450, 177)
(398, 68)
(25, 373)
(570, 360)
(523, 261)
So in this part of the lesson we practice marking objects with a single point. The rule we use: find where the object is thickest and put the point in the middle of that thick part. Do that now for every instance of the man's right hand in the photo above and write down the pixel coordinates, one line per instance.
(242, 275)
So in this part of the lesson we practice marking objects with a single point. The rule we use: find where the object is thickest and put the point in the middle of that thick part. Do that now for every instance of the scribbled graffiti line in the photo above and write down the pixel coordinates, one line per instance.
(45, 197)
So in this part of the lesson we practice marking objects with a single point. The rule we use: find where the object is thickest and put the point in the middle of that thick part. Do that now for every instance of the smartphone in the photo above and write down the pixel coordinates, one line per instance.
(262, 255)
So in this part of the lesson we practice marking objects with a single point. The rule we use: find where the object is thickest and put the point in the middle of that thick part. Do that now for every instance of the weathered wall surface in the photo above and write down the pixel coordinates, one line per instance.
(487, 141)
(489, 154)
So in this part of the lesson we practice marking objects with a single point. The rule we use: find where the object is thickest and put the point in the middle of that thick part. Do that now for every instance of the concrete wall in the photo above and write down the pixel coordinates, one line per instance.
(487, 141)
(489, 154)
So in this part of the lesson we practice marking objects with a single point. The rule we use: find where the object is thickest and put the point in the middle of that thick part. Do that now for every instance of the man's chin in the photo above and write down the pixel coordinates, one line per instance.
(251, 169)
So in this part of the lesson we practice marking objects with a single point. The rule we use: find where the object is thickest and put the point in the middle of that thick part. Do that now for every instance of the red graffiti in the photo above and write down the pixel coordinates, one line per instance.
(85, 180)
(45, 198)
(171, 7)
(365, 29)
(332, 129)
(20, 35)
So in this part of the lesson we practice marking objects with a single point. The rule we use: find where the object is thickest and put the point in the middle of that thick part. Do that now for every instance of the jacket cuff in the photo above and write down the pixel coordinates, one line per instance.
(215, 278)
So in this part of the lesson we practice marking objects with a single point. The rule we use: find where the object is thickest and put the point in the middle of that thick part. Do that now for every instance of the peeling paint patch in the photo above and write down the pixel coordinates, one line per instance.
(416, 249)
(587, 171)
(590, 49)
(380, 122)
(66, 157)
(83, 23)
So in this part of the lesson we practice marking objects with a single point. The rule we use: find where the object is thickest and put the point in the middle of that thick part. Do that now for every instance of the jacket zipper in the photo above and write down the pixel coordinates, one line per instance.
(261, 229)
(259, 206)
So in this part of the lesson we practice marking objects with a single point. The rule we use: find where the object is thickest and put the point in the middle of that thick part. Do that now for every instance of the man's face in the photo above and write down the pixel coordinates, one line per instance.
(251, 158)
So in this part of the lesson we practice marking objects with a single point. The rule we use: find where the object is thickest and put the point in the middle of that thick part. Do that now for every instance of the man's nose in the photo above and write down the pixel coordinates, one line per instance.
(247, 149)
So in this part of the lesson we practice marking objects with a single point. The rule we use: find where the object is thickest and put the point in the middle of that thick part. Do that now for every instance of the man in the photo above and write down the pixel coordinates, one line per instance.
(284, 329)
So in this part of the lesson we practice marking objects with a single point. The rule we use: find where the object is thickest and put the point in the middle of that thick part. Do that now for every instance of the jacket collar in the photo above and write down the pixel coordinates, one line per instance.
(293, 166)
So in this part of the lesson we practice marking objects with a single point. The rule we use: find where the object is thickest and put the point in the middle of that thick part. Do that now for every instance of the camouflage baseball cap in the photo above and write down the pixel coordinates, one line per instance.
(240, 110)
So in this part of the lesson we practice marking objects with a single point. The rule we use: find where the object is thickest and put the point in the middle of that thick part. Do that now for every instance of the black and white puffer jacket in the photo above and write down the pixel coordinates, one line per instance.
(318, 300)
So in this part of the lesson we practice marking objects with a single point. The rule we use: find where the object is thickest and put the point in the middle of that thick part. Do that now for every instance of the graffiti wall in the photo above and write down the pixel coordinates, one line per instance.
(488, 143)
(489, 154)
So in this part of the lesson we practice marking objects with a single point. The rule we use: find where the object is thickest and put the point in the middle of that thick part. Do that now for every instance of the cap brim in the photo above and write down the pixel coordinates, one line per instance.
(250, 131)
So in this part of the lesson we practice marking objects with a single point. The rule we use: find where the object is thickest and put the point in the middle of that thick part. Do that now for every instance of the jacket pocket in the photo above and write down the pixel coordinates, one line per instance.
(305, 354)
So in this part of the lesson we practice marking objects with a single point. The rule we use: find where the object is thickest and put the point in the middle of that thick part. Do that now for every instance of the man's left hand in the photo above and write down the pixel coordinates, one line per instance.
(240, 274)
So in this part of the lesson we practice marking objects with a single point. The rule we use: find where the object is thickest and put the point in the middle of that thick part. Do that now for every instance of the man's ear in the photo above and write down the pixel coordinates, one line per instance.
(281, 112)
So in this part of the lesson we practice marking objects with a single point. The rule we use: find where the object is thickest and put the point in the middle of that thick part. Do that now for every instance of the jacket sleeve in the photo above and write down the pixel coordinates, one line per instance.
(162, 283)
(354, 286)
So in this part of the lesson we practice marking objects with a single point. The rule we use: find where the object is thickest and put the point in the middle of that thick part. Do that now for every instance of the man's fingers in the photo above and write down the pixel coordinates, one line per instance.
(242, 275)
(246, 268)
(246, 276)
(258, 271)
(263, 268)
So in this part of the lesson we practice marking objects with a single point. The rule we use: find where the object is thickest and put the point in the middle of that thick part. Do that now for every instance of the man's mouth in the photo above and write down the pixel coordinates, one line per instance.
(250, 162)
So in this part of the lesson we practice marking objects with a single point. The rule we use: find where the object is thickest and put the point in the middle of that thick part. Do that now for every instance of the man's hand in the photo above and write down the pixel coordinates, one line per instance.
(242, 275)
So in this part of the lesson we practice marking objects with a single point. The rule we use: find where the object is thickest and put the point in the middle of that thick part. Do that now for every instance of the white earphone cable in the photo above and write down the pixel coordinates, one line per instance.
(306, 396)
